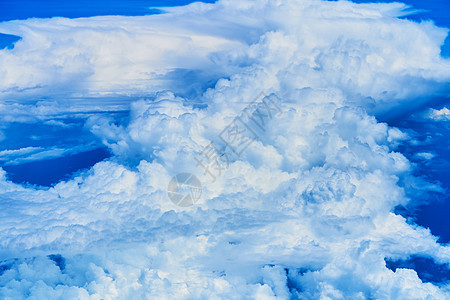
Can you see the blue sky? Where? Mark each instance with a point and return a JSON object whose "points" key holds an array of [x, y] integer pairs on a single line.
{"points": [[96, 116], [435, 139], [13, 10]]}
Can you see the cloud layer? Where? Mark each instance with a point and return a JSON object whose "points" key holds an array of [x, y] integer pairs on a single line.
{"points": [[306, 211]]}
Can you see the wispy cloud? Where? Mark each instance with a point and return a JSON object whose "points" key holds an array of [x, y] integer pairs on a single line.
{"points": [[30, 154]]}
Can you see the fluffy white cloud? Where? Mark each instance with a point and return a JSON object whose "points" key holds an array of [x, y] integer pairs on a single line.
{"points": [[439, 115], [304, 212], [361, 49]]}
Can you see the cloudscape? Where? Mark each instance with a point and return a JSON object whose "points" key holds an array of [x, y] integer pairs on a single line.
{"points": [[240, 149]]}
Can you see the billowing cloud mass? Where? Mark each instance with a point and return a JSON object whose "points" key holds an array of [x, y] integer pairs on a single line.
{"points": [[439, 114], [306, 211]]}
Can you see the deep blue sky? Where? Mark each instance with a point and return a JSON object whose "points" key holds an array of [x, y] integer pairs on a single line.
{"points": [[434, 138], [50, 171], [24, 9]]}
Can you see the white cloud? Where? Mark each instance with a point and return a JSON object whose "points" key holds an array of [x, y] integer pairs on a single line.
{"points": [[361, 49], [439, 115], [425, 155], [7, 153], [309, 202]]}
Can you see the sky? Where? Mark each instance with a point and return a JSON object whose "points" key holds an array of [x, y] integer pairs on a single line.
{"points": [[24, 9], [232, 149]]}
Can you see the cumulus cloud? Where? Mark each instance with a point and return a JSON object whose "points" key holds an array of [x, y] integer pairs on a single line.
{"points": [[439, 115], [362, 49], [306, 211]]}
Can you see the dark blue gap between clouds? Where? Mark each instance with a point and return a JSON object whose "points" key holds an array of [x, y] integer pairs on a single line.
{"points": [[7, 40], [62, 168], [432, 137], [427, 269], [86, 148]]}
